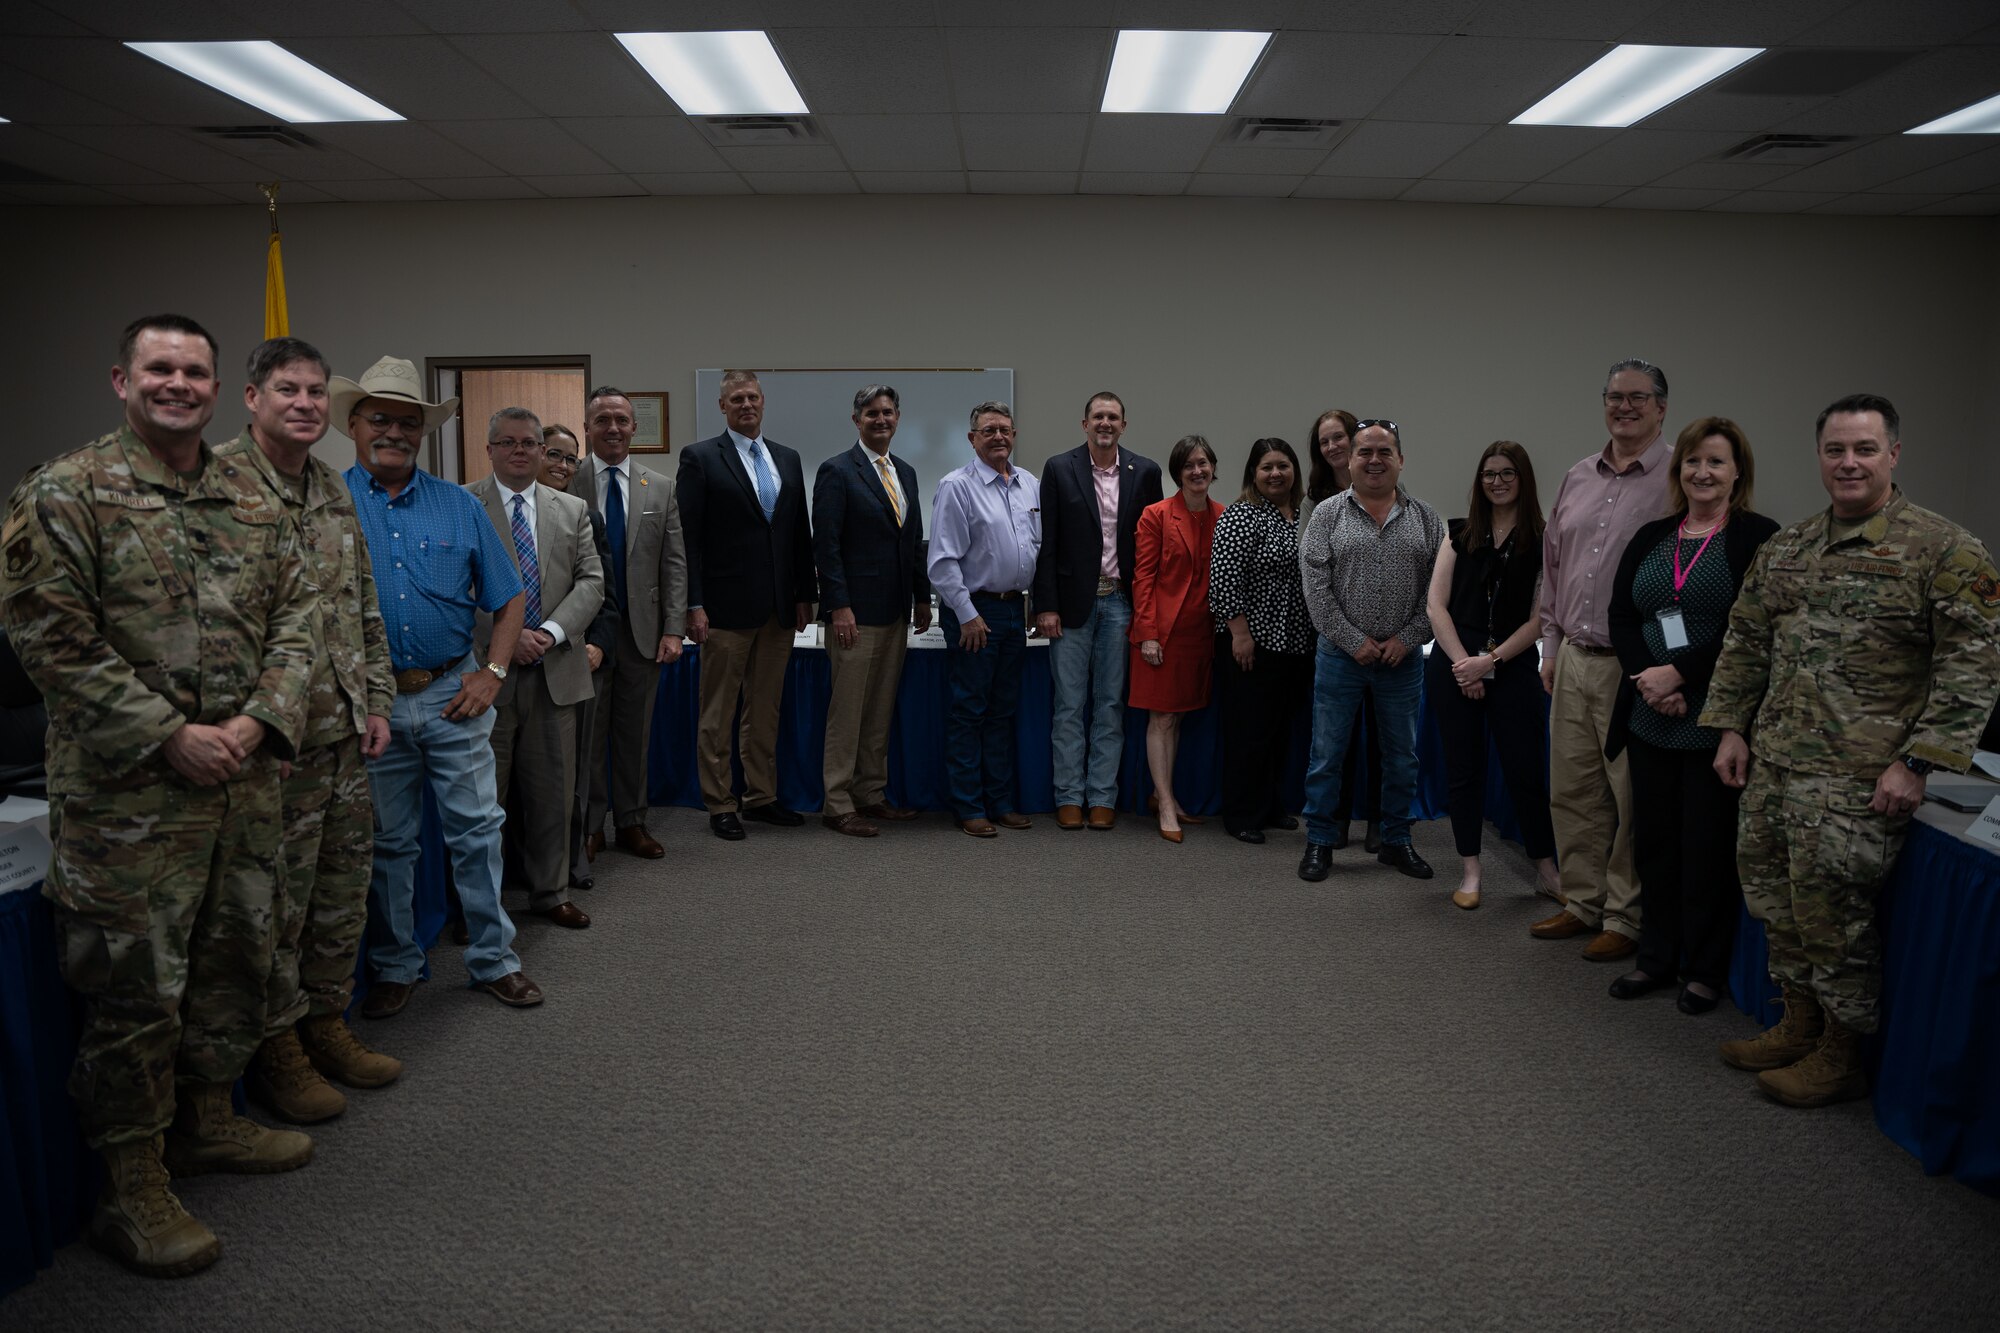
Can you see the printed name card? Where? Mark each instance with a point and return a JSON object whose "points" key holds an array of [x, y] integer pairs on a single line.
{"points": [[1986, 828]]}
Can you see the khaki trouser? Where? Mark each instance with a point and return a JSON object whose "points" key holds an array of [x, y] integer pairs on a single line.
{"points": [[752, 661], [534, 754], [865, 679], [1590, 797]]}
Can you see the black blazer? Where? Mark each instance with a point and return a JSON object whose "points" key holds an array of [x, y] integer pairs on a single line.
{"points": [[866, 561], [1073, 542], [1747, 531], [742, 570], [603, 630]]}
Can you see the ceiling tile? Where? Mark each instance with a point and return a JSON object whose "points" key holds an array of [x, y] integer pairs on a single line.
{"points": [[1335, 76], [283, 22], [675, 15], [1908, 24], [802, 182], [1603, 20], [1564, 196], [404, 149], [1350, 187], [172, 195], [1522, 152], [523, 147], [1150, 143], [1885, 205], [1024, 142], [1730, 22], [1253, 160], [694, 182], [139, 21], [1028, 69], [180, 153], [294, 193], [1021, 182], [106, 72], [1459, 192], [645, 143], [1881, 161], [847, 71], [911, 182], [803, 157], [1639, 157], [1773, 201], [1725, 176], [568, 74], [39, 150], [1133, 182], [27, 100], [1964, 205], [1244, 185], [1029, 14], [1742, 113], [31, 20], [424, 78], [373, 191], [611, 186], [1919, 90], [895, 143], [482, 187], [486, 16], [849, 13], [1241, 15], [1975, 171], [1435, 17], [1659, 198], [60, 192], [1487, 80], [1397, 148]]}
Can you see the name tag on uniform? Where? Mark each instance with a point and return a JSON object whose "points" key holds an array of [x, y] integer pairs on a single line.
{"points": [[1673, 628]]}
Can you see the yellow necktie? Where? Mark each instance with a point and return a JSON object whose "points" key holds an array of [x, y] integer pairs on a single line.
{"points": [[889, 485]]}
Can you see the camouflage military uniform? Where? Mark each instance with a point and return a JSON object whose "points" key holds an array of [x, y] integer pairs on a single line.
{"points": [[139, 602], [1843, 655], [329, 815]]}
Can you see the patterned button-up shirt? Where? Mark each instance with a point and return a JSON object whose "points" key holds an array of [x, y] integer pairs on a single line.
{"points": [[1253, 572], [1364, 581]]}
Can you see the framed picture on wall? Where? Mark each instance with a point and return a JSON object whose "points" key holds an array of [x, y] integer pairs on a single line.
{"points": [[649, 431]]}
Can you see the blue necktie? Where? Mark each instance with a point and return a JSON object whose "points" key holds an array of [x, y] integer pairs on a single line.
{"points": [[531, 569], [614, 534], [767, 481]]}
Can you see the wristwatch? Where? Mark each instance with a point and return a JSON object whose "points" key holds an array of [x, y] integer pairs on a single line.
{"points": [[499, 672], [1921, 767]]}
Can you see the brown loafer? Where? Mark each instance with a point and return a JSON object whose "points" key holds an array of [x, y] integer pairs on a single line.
{"points": [[633, 838], [1609, 946], [1069, 816], [978, 828], [853, 825], [592, 845], [386, 999], [1015, 819], [513, 989], [1102, 817], [568, 915], [1561, 926], [895, 814]]}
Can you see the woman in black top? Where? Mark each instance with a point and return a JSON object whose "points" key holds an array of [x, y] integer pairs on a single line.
{"points": [[1669, 606], [1332, 438], [1484, 672]]}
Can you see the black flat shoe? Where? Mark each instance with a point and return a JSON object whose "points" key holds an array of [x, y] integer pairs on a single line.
{"points": [[1404, 857], [1317, 861], [1339, 837], [1691, 1003], [1248, 835], [1631, 987], [1285, 822], [773, 813], [1372, 841]]}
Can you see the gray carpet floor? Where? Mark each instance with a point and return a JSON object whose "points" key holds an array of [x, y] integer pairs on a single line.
{"points": [[1061, 1080]]}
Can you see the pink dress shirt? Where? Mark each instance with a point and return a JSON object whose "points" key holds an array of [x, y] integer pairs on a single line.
{"points": [[1596, 512], [1106, 481]]}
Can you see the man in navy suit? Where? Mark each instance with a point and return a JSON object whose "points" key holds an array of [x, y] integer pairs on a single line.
{"points": [[750, 584], [867, 526], [1091, 498]]}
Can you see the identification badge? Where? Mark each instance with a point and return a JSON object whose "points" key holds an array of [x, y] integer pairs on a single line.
{"points": [[1673, 629]]}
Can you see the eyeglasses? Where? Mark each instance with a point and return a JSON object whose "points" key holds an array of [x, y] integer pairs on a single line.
{"points": [[995, 432], [561, 458], [1635, 399], [382, 421], [515, 446], [1505, 474]]}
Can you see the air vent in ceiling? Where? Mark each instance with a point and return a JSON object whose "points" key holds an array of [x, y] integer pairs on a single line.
{"points": [[261, 139], [759, 131], [1788, 150], [1281, 132]]}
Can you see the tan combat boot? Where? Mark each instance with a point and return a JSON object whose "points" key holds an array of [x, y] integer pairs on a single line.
{"points": [[1790, 1041], [140, 1223], [336, 1052], [280, 1080], [208, 1135], [1832, 1073]]}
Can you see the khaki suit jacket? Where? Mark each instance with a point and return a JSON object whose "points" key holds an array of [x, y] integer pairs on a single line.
{"points": [[572, 585], [656, 580]]}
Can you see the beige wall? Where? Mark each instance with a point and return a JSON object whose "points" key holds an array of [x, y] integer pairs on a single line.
{"points": [[1234, 318]]}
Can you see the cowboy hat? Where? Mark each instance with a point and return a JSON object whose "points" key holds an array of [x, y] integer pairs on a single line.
{"points": [[391, 379]]}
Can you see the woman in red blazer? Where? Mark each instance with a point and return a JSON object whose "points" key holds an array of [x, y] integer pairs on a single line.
{"points": [[1173, 632]]}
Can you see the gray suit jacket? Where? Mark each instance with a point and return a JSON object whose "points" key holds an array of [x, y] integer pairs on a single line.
{"points": [[655, 560], [572, 585]]}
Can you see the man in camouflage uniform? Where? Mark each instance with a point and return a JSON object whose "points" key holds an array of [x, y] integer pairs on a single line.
{"points": [[318, 918], [158, 596], [1860, 655]]}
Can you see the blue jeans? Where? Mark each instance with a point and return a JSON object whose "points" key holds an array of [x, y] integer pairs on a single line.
{"points": [[1338, 682], [1088, 664], [985, 689], [456, 759]]}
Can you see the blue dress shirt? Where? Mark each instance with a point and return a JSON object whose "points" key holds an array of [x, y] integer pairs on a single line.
{"points": [[437, 561], [986, 531]]}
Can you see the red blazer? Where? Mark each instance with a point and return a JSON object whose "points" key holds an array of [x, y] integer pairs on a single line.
{"points": [[1172, 571]]}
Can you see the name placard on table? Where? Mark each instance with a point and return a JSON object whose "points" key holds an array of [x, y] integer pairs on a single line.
{"points": [[24, 843]]}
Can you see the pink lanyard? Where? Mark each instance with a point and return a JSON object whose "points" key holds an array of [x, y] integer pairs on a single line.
{"points": [[1681, 575]]}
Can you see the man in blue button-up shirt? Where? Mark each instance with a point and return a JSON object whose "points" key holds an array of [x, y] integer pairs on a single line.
{"points": [[986, 530], [437, 561]]}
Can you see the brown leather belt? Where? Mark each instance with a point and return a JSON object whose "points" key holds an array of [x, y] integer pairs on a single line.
{"points": [[1000, 596], [1591, 649], [415, 680]]}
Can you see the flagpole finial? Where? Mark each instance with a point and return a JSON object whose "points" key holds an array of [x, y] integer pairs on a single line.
{"points": [[270, 191]]}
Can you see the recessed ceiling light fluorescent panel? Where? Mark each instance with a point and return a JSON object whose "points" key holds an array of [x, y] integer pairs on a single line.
{"points": [[268, 77], [1979, 118], [1630, 83], [717, 73], [1180, 73]]}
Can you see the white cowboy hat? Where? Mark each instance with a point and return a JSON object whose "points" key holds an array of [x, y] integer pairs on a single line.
{"points": [[392, 379]]}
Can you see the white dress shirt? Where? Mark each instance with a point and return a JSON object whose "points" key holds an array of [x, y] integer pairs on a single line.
{"points": [[528, 515]]}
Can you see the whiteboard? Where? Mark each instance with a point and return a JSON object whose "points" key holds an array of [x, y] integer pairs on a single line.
{"points": [[813, 412]]}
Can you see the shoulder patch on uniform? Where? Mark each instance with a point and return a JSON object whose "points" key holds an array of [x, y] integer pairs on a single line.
{"points": [[1986, 590], [22, 555]]}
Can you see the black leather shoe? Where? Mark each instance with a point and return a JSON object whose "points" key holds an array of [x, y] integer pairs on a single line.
{"points": [[1690, 1003], [773, 813], [1371, 842], [726, 826], [1339, 842], [1249, 835], [1317, 861], [1404, 857], [1285, 822], [1634, 984]]}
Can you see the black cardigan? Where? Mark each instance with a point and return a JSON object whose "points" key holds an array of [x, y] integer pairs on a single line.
{"points": [[1747, 530]]}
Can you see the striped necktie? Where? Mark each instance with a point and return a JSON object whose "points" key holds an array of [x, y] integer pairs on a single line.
{"points": [[889, 485], [531, 569]]}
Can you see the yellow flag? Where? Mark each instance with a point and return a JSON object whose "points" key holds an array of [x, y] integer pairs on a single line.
{"points": [[277, 321]]}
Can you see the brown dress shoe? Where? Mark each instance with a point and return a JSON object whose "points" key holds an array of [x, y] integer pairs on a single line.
{"points": [[513, 989], [1562, 926], [895, 814], [978, 828], [1015, 819], [633, 838], [1609, 946], [386, 999], [567, 915], [853, 825], [1102, 817], [1069, 816], [592, 845]]}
